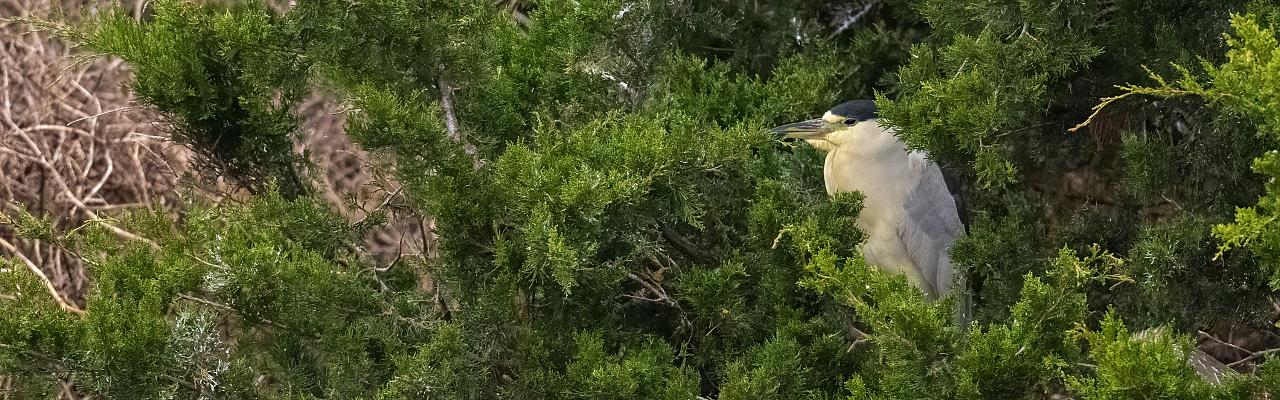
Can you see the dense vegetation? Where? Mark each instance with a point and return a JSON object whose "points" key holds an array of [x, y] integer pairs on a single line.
{"points": [[614, 221]]}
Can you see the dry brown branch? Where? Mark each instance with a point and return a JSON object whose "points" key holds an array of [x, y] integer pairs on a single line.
{"points": [[74, 146], [77, 148], [446, 102], [1253, 356], [358, 185], [53, 291], [225, 308], [1233, 346]]}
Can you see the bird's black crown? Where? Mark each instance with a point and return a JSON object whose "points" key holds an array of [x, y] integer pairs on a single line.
{"points": [[860, 109]]}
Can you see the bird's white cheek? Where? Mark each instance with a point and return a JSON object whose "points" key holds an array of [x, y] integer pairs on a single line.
{"points": [[821, 145]]}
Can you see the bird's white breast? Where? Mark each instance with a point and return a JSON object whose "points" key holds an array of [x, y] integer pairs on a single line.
{"points": [[876, 163]]}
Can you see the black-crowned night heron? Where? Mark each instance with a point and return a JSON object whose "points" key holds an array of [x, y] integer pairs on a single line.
{"points": [[909, 214]]}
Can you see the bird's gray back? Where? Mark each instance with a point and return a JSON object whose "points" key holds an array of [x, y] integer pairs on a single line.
{"points": [[930, 224]]}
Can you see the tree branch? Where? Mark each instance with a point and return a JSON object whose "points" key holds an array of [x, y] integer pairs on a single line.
{"points": [[685, 246], [48, 284], [451, 121], [225, 307]]}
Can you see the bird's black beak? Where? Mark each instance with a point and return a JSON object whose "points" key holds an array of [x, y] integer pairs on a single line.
{"points": [[811, 129]]}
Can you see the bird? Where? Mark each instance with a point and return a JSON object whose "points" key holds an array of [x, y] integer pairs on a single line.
{"points": [[910, 213]]}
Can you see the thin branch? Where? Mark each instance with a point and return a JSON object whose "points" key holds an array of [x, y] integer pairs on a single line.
{"points": [[181, 382], [1253, 356], [856, 343], [1097, 109], [451, 120], [386, 201], [48, 284], [80, 205], [1130, 90], [658, 291], [853, 19], [684, 245], [663, 298], [1220, 341], [521, 18], [125, 108], [225, 307]]}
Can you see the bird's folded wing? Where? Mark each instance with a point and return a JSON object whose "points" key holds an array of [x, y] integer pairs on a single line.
{"points": [[930, 224]]}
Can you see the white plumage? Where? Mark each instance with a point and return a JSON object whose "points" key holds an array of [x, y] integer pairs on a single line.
{"points": [[909, 215]]}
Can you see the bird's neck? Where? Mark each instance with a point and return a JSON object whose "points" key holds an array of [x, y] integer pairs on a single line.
{"points": [[876, 164], [870, 140]]}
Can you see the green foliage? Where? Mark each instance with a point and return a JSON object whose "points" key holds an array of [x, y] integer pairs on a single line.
{"points": [[614, 222], [995, 67], [204, 68], [775, 370], [1247, 83], [36, 332], [1270, 380], [1028, 354], [1167, 257], [236, 289], [999, 253], [1131, 367], [442, 368], [647, 371], [1149, 165]]}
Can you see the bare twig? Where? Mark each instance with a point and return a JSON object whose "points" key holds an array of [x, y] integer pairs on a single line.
{"points": [[1253, 356], [652, 288], [72, 145], [451, 121], [851, 19], [684, 245], [48, 284], [384, 204], [225, 307], [125, 108], [446, 102], [1215, 339]]}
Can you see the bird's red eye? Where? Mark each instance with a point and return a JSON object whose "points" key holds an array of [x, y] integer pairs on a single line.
{"points": [[850, 121]]}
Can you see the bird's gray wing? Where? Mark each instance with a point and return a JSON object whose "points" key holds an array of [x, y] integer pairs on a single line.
{"points": [[930, 224]]}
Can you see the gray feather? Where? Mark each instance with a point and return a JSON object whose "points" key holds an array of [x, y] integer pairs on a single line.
{"points": [[930, 225]]}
